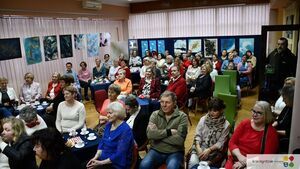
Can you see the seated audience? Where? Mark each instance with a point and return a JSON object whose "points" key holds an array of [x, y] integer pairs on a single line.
{"points": [[137, 120], [70, 113], [8, 99], [85, 78], [135, 62], [166, 131], [3, 158], [50, 147], [124, 83], [53, 87], [160, 62], [116, 146], [99, 71], [212, 72], [236, 58], [16, 145], [30, 90], [177, 84], [202, 87], [211, 135], [178, 63], [147, 63], [216, 63], [226, 62], [249, 136], [167, 66], [31, 120], [72, 73], [123, 65], [224, 55], [107, 63], [251, 58], [192, 72], [113, 70], [186, 60], [149, 85], [245, 71]]}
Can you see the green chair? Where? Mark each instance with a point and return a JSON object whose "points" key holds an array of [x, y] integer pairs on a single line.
{"points": [[222, 83], [233, 80]]}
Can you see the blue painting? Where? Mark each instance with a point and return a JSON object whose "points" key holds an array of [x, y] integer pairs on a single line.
{"points": [[161, 46], [195, 45], [246, 44], [33, 50], [78, 41], [92, 45], [180, 46], [152, 45], [10, 48], [228, 44], [144, 46], [65, 46], [50, 48]]}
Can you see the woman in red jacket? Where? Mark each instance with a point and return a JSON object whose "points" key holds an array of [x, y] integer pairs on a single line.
{"points": [[53, 87], [149, 85]]}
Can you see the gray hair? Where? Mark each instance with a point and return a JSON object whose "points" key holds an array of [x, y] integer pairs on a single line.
{"points": [[117, 108], [267, 112], [28, 113], [168, 93], [115, 88], [288, 92]]}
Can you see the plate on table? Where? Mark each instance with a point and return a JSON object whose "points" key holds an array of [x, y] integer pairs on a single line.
{"points": [[84, 133], [92, 138], [79, 146], [74, 134]]}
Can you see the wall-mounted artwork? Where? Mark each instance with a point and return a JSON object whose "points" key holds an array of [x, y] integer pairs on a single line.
{"points": [[50, 48], [104, 39], [179, 46], [152, 44], [92, 45], [144, 46], [246, 44], [228, 44], [10, 48], [161, 46], [33, 50], [195, 45], [65, 46], [78, 41], [133, 44], [210, 47]]}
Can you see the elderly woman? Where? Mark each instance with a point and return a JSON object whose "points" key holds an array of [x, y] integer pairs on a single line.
{"points": [[211, 136], [149, 85], [30, 90], [16, 145], [147, 63], [50, 148], [253, 136], [31, 119], [99, 71], [54, 87], [135, 62], [124, 83], [193, 71], [115, 147], [85, 78], [70, 113], [113, 70], [202, 89], [8, 98]]}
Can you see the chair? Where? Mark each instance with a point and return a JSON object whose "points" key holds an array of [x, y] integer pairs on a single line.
{"points": [[222, 83], [230, 110], [135, 156], [186, 111], [100, 96], [233, 80]]}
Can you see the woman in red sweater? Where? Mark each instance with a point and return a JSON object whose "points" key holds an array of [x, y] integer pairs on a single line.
{"points": [[248, 136], [149, 85], [53, 87]]}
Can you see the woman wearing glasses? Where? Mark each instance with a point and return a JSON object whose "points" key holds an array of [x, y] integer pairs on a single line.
{"points": [[248, 136]]}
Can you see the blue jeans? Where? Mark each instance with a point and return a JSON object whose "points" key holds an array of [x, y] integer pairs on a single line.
{"points": [[154, 159], [6, 111]]}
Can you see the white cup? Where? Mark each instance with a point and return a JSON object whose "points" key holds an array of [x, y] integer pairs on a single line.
{"points": [[27, 103], [91, 135], [83, 130], [80, 143], [203, 165]]}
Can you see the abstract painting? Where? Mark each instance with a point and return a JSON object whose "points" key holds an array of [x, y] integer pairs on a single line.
{"points": [[50, 48], [144, 46], [195, 45], [228, 44], [179, 46], [161, 46], [133, 44], [246, 44], [211, 47], [92, 45], [152, 44], [78, 41], [33, 50], [10, 48], [104, 39], [65, 46]]}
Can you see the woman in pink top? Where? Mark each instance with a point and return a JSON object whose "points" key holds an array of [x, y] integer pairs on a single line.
{"points": [[84, 76]]}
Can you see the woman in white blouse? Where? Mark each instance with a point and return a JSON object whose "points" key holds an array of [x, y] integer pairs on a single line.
{"points": [[8, 98], [30, 90], [193, 71], [70, 113]]}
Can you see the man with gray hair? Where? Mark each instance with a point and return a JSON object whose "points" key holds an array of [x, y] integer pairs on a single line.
{"points": [[31, 120], [166, 131]]}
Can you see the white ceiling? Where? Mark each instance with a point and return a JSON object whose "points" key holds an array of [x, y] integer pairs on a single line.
{"points": [[123, 2]]}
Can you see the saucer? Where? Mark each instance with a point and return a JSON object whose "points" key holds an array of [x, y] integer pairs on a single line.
{"points": [[92, 138], [86, 132], [39, 108], [79, 146], [75, 134], [45, 104]]}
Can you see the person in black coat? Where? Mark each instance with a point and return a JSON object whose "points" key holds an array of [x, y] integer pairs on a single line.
{"points": [[202, 88], [49, 146], [16, 145]]}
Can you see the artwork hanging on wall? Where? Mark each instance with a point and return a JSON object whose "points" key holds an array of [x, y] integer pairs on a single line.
{"points": [[161, 46], [65, 46], [133, 44], [92, 45], [246, 44], [104, 39], [152, 44], [195, 45], [228, 44], [50, 48], [78, 41], [144, 46], [211, 47], [179, 46], [33, 50], [10, 48]]}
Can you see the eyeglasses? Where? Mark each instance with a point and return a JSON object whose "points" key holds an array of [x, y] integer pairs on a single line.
{"points": [[256, 112]]}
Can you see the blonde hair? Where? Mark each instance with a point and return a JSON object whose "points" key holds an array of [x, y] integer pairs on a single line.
{"points": [[17, 126], [267, 112], [3, 79]]}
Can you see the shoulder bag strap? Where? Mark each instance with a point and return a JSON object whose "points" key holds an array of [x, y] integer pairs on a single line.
{"points": [[262, 147]]}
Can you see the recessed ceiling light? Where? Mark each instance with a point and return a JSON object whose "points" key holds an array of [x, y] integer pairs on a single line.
{"points": [[129, 0]]}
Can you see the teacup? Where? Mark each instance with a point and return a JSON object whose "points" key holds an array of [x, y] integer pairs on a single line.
{"points": [[44, 102], [83, 130], [203, 165], [80, 143], [91, 135]]}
